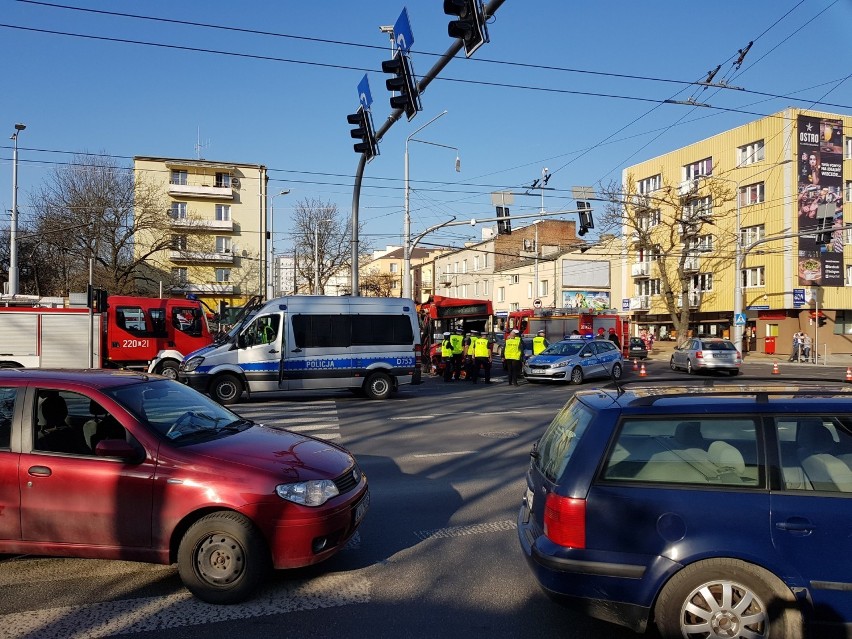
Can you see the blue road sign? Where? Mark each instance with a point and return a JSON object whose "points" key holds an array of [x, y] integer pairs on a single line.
{"points": [[798, 297], [402, 32], [625, 304], [364, 95], [740, 319]]}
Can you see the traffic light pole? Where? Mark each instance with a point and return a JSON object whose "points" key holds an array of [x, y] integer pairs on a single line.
{"points": [[425, 81]]}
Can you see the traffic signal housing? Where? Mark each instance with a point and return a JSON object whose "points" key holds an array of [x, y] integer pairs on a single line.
{"points": [[470, 26], [402, 83], [586, 222], [364, 132], [504, 225]]}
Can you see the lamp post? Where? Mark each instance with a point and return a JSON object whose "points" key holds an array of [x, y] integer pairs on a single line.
{"points": [[535, 247], [316, 256], [270, 280], [406, 226], [13, 231]]}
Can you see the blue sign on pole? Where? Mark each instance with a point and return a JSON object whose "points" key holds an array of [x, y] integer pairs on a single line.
{"points": [[402, 32], [364, 95], [740, 319], [798, 297], [625, 303]]}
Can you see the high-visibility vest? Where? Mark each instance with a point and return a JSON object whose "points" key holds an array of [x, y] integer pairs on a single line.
{"points": [[539, 344], [456, 340], [480, 348], [447, 348], [512, 350]]}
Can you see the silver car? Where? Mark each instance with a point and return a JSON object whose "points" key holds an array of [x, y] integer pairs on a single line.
{"points": [[707, 353], [575, 360]]}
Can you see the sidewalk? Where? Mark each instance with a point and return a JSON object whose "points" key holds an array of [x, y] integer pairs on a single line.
{"points": [[662, 351]]}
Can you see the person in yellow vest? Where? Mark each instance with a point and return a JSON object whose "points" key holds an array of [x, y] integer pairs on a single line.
{"points": [[539, 342], [447, 356], [467, 352], [512, 356], [457, 340], [481, 357]]}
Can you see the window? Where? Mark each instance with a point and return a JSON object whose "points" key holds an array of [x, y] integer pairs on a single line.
{"points": [[514, 306], [476, 289], [187, 320], [697, 208], [323, 331], [179, 242], [223, 244], [514, 279], [697, 169], [394, 268], [648, 219], [456, 267], [7, 409], [223, 275], [501, 293], [178, 211], [475, 262], [179, 274], [263, 330], [131, 318], [702, 282], [178, 177], [750, 153], [812, 452], [529, 290], [753, 277], [849, 190], [750, 234], [751, 194], [223, 212], [542, 288], [649, 254], [223, 180], [485, 288], [464, 266], [649, 185], [648, 287], [72, 424], [847, 149]]}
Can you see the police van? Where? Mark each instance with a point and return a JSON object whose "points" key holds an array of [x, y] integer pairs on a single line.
{"points": [[369, 345]]}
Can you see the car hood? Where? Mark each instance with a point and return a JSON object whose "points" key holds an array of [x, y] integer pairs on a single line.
{"points": [[551, 359], [289, 456]]}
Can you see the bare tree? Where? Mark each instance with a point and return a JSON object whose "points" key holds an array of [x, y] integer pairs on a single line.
{"points": [[675, 227], [375, 284]]}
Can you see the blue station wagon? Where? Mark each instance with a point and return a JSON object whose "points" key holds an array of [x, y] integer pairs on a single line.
{"points": [[720, 510]]}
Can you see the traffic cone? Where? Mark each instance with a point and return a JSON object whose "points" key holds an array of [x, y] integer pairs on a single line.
{"points": [[635, 364], [643, 372], [849, 374], [775, 370]]}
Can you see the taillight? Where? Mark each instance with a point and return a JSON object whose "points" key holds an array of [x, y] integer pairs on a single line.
{"points": [[418, 353], [565, 521], [699, 355]]}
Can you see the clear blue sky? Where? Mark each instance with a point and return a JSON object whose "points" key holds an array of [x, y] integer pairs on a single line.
{"points": [[267, 104]]}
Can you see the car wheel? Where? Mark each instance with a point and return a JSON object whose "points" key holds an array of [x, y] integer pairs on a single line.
{"points": [[222, 558], [672, 364], [226, 389], [168, 369], [616, 371], [689, 368], [577, 375], [727, 598], [378, 386]]}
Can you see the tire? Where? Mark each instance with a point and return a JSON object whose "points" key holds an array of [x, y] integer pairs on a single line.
{"points": [[616, 372], [168, 369], [577, 375], [689, 368], [672, 365], [683, 603], [226, 389], [222, 558], [378, 386]]}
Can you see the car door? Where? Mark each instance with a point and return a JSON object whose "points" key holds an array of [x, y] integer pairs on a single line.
{"points": [[71, 496], [591, 360], [259, 352], [10, 453]]}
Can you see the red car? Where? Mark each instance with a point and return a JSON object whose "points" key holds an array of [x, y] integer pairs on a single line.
{"points": [[119, 465]]}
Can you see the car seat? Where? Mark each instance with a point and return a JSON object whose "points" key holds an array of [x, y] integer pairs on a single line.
{"points": [[815, 447]]}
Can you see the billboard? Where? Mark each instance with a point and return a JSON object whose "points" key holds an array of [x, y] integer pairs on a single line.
{"points": [[820, 201], [597, 300]]}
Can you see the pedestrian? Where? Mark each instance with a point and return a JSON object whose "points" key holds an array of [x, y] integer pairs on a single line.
{"points": [[600, 334], [482, 358], [797, 344], [457, 340], [806, 346], [613, 337], [539, 342], [512, 357], [470, 357], [447, 356]]}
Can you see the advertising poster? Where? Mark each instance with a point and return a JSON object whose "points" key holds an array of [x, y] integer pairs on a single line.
{"points": [[597, 300], [820, 201]]}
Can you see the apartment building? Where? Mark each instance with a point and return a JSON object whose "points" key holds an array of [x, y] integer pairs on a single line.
{"points": [[218, 224], [771, 196]]}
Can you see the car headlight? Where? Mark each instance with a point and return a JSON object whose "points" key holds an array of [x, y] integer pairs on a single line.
{"points": [[192, 364], [560, 364], [308, 493]]}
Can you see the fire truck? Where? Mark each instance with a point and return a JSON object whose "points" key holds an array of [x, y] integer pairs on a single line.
{"points": [[559, 323], [439, 314], [141, 333]]}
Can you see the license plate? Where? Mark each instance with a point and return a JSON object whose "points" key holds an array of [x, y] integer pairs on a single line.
{"points": [[535, 371], [361, 509]]}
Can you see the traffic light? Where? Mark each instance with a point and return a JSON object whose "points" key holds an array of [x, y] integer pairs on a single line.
{"points": [[504, 226], [586, 222], [364, 131], [223, 311], [821, 320], [470, 26], [403, 83]]}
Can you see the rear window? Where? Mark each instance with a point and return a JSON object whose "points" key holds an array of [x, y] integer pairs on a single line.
{"points": [[561, 438], [717, 346]]}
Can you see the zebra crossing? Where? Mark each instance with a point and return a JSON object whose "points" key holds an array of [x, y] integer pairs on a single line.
{"points": [[315, 418]]}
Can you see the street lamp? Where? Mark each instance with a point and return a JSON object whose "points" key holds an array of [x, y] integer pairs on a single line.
{"points": [[270, 281], [535, 246], [13, 231], [406, 227], [316, 255]]}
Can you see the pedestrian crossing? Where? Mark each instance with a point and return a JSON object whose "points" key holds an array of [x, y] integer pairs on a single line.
{"points": [[315, 418]]}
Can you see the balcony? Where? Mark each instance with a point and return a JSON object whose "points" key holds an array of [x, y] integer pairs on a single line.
{"points": [[640, 269], [226, 226], [214, 288], [640, 303], [202, 191], [640, 201], [688, 188], [691, 264], [201, 256], [694, 300]]}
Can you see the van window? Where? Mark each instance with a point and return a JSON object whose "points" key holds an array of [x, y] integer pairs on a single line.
{"points": [[342, 331], [382, 330], [187, 320], [131, 318]]}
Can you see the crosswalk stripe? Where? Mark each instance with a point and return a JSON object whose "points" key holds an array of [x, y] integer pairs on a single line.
{"points": [[318, 419]]}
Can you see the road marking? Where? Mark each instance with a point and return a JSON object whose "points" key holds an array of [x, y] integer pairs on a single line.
{"points": [[152, 614], [317, 418], [407, 417], [448, 454], [462, 531]]}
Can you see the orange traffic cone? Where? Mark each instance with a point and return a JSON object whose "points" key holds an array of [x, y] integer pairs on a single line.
{"points": [[849, 374], [643, 372], [775, 370], [635, 365]]}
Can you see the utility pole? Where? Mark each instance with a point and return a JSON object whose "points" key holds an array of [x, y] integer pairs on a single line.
{"points": [[13, 232]]}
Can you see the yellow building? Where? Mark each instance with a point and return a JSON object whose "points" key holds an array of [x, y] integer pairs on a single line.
{"points": [[218, 228], [769, 194]]}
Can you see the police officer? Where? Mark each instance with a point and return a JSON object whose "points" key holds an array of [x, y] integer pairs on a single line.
{"points": [[469, 357], [457, 341], [447, 356], [482, 358], [512, 356], [539, 343]]}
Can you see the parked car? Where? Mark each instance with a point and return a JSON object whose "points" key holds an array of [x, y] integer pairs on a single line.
{"points": [[575, 360], [719, 510], [707, 353], [637, 349], [121, 465]]}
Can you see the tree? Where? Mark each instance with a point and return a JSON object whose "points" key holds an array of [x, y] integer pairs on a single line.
{"points": [[674, 227], [321, 230], [375, 284]]}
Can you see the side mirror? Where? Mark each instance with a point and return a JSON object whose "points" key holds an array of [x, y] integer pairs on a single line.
{"points": [[116, 448]]}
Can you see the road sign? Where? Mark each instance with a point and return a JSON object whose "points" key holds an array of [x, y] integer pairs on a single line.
{"points": [[402, 32], [798, 297], [537, 303], [740, 319], [625, 303], [364, 95]]}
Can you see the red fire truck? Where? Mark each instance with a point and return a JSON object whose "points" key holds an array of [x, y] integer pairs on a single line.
{"points": [[559, 323], [143, 333], [439, 314]]}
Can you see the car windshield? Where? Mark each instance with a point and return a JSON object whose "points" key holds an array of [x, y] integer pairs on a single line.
{"points": [[177, 412], [564, 349], [717, 346]]}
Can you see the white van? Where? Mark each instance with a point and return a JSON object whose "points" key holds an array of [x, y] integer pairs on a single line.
{"points": [[303, 342]]}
